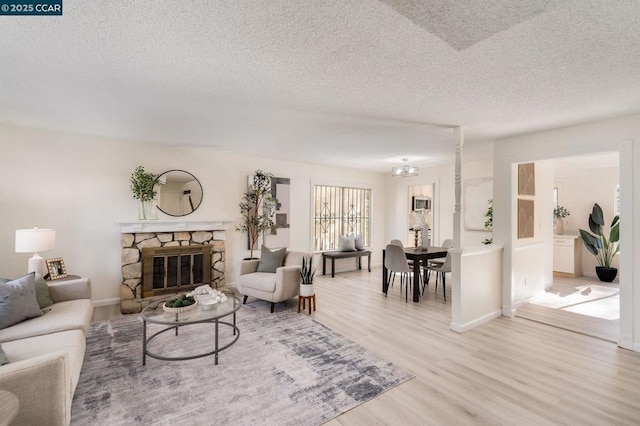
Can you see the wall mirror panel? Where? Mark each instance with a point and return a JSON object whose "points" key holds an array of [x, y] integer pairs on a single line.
{"points": [[179, 193]]}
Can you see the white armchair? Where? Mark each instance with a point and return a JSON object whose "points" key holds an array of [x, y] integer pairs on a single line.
{"points": [[272, 287]]}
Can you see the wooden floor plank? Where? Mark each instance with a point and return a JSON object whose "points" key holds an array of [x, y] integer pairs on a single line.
{"points": [[509, 371]]}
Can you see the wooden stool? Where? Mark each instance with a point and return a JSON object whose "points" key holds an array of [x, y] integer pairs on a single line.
{"points": [[303, 299]]}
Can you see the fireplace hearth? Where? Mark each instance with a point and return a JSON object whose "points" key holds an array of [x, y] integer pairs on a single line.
{"points": [[184, 256]]}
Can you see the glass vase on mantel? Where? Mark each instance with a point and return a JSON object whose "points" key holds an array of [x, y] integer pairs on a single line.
{"points": [[147, 210]]}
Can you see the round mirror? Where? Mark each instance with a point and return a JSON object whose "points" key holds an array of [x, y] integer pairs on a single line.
{"points": [[179, 193]]}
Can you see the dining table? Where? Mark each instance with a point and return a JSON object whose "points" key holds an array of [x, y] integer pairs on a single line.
{"points": [[420, 256]]}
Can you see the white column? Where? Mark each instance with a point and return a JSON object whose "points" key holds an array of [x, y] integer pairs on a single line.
{"points": [[456, 252]]}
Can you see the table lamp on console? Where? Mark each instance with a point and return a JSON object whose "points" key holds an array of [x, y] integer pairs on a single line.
{"points": [[35, 240]]}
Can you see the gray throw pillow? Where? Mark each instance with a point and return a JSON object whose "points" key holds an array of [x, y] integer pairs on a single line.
{"points": [[3, 357], [271, 260], [358, 242], [18, 300], [42, 292], [347, 243]]}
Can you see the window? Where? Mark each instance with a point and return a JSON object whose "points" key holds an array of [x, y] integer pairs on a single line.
{"points": [[340, 211]]}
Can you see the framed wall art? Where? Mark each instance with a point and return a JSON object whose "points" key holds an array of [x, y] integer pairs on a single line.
{"points": [[525, 218], [476, 195], [527, 179]]}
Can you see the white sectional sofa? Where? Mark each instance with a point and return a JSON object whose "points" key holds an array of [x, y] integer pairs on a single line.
{"points": [[45, 355]]}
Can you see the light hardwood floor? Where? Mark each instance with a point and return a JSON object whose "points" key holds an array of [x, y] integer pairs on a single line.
{"points": [[509, 371], [582, 304]]}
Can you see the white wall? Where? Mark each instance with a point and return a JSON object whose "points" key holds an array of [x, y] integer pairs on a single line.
{"points": [[79, 186], [613, 135]]}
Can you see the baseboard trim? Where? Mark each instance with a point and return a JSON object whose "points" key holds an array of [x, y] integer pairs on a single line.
{"points": [[106, 302], [461, 328]]}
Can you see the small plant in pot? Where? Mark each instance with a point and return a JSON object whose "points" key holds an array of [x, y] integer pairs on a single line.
{"points": [[603, 248], [307, 271]]}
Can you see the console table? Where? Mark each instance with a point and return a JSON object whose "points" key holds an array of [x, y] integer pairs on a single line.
{"points": [[333, 255]]}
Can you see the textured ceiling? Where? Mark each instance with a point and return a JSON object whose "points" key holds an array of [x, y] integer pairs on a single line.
{"points": [[349, 83]]}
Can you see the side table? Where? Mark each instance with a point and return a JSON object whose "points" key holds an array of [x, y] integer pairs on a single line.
{"points": [[302, 302], [9, 405]]}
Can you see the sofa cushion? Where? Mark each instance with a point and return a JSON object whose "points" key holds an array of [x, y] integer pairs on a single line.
{"points": [[3, 357], [263, 281], [271, 260], [72, 342], [18, 300], [62, 316], [42, 292]]}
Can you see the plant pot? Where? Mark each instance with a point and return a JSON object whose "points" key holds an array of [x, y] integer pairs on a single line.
{"points": [[306, 290], [606, 274], [558, 226]]}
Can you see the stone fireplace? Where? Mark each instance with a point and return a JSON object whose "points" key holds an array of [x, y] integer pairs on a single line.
{"points": [[177, 259]]}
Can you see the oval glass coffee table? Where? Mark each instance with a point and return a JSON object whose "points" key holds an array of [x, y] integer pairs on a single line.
{"points": [[154, 313]]}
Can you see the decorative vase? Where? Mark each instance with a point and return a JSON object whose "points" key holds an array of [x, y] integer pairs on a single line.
{"points": [[606, 274], [558, 226], [416, 239], [142, 210], [147, 210], [152, 209], [306, 290], [426, 237]]}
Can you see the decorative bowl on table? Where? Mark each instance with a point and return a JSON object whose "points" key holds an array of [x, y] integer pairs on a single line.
{"points": [[182, 303], [208, 304], [211, 299], [179, 310]]}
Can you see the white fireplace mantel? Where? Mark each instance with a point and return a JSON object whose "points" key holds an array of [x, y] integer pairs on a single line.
{"points": [[138, 226]]}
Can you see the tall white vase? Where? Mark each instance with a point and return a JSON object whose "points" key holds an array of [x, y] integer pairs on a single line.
{"points": [[558, 226]]}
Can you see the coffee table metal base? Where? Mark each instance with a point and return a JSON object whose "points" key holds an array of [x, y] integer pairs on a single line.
{"points": [[215, 351]]}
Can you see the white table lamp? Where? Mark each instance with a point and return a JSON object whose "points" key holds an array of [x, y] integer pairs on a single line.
{"points": [[33, 241]]}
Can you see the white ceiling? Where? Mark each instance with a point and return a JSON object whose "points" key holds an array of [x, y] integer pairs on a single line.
{"points": [[349, 83]]}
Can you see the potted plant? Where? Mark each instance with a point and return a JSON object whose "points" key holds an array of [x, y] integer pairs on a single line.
{"points": [[142, 187], [559, 213], [257, 208], [488, 223], [602, 248], [307, 271]]}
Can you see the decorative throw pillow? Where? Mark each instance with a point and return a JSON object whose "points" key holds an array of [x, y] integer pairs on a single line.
{"points": [[3, 357], [270, 260], [18, 300], [42, 292], [358, 242], [347, 243]]}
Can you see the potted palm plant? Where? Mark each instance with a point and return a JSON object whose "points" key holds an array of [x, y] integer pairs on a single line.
{"points": [[603, 248], [307, 271], [257, 208]]}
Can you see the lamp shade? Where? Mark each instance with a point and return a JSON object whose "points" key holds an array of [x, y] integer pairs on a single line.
{"points": [[35, 240]]}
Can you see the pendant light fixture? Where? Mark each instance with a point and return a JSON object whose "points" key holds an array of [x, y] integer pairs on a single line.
{"points": [[405, 170]]}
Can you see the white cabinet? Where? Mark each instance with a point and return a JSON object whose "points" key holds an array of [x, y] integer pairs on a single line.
{"points": [[567, 255]]}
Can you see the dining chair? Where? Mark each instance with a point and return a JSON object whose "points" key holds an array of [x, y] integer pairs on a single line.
{"points": [[396, 262], [409, 261], [448, 243], [440, 271]]}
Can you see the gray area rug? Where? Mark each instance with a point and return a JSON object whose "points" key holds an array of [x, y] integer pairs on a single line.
{"points": [[285, 369]]}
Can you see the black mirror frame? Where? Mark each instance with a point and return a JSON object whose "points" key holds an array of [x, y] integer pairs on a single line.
{"points": [[195, 178]]}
